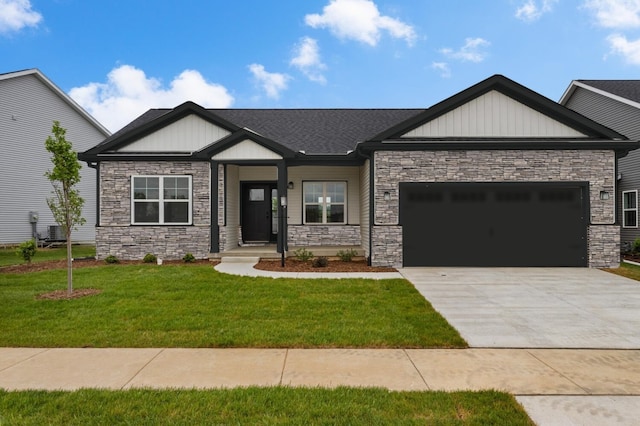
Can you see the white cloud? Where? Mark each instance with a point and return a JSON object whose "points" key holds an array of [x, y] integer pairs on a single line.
{"points": [[617, 14], [630, 50], [532, 10], [128, 93], [470, 52], [443, 68], [271, 82], [359, 20], [307, 60], [17, 14]]}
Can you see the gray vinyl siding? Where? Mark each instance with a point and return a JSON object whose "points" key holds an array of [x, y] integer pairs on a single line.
{"points": [[28, 108], [624, 119]]}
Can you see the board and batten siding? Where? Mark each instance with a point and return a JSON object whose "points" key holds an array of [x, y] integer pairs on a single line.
{"points": [[624, 119], [189, 134], [299, 174], [28, 108], [493, 115]]}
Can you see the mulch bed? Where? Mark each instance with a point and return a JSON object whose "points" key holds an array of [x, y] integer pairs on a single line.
{"points": [[292, 265]]}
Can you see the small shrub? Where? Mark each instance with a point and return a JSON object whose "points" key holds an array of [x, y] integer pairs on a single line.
{"points": [[303, 255], [320, 262], [27, 250], [636, 246], [111, 259], [189, 258], [149, 258], [347, 255]]}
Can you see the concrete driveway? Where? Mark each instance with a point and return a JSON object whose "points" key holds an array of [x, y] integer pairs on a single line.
{"points": [[534, 307]]}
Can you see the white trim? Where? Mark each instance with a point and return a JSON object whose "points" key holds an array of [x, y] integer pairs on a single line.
{"points": [[628, 209], [574, 84], [160, 200]]}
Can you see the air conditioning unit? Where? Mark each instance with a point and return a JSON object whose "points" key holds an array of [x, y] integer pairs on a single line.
{"points": [[56, 233]]}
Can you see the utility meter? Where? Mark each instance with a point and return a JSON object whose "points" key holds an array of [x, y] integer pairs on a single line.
{"points": [[33, 217]]}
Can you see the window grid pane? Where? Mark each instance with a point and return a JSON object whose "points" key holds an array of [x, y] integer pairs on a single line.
{"points": [[324, 202], [173, 192]]}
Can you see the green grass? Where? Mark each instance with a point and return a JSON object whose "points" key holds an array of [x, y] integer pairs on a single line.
{"points": [[627, 270], [145, 305], [262, 406], [8, 255]]}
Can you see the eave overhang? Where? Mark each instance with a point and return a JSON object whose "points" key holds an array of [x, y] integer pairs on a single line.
{"points": [[621, 147]]}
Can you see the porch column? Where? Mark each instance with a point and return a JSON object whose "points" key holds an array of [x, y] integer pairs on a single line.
{"points": [[215, 228], [282, 210]]}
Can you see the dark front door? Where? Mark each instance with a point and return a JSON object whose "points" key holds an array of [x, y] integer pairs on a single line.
{"points": [[258, 216], [494, 224]]}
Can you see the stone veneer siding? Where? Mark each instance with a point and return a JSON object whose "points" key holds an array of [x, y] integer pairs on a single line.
{"points": [[116, 236], [604, 246], [392, 167], [324, 235]]}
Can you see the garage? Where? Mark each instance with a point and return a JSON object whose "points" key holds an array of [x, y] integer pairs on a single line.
{"points": [[494, 224]]}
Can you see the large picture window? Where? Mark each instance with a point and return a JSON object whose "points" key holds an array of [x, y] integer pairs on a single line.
{"points": [[630, 209], [161, 200], [324, 202]]}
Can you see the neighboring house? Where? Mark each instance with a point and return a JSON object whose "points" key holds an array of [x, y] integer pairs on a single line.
{"points": [[496, 175], [29, 103], [615, 104]]}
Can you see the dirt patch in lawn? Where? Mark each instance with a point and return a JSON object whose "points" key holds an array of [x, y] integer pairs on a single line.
{"points": [[333, 266], [64, 294]]}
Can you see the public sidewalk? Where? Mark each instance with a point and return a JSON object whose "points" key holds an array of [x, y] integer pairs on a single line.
{"points": [[517, 371]]}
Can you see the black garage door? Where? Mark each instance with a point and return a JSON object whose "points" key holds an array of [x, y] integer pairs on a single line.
{"points": [[494, 224]]}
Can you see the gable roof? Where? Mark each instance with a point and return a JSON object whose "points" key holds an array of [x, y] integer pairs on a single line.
{"points": [[625, 91], [62, 95], [513, 90], [310, 131]]}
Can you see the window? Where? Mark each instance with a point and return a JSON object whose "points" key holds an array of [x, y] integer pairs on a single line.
{"points": [[160, 200], [630, 209], [324, 202]]}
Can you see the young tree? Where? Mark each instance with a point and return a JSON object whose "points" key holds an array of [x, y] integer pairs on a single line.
{"points": [[66, 205]]}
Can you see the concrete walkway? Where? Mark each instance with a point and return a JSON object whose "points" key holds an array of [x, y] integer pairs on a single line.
{"points": [[244, 266]]}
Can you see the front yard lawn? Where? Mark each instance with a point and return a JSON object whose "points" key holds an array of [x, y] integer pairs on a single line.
{"points": [[145, 305], [280, 405]]}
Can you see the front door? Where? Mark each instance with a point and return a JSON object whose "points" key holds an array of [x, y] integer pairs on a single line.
{"points": [[259, 219]]}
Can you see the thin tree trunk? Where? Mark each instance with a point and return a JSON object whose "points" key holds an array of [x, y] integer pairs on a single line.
{"points": [[69, 260]]}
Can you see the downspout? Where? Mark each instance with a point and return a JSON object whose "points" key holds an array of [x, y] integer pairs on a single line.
{"points": [[96, 167]]}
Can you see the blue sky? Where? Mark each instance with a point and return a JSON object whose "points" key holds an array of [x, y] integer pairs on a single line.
{"points": [[119, 58]]}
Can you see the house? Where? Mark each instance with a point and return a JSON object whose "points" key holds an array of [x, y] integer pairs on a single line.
{"points": [[496, 175], [29, 103], [616, 104]]}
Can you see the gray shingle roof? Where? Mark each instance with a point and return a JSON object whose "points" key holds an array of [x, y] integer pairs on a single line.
{"points": [[315, 131], [628, 89]]}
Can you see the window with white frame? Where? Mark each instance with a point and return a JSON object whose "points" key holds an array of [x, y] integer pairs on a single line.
{"points": [[161, 200], [324, 202], [630, 209]]}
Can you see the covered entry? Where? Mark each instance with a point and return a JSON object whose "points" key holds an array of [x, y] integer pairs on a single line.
{"points": [[494, 224]]}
